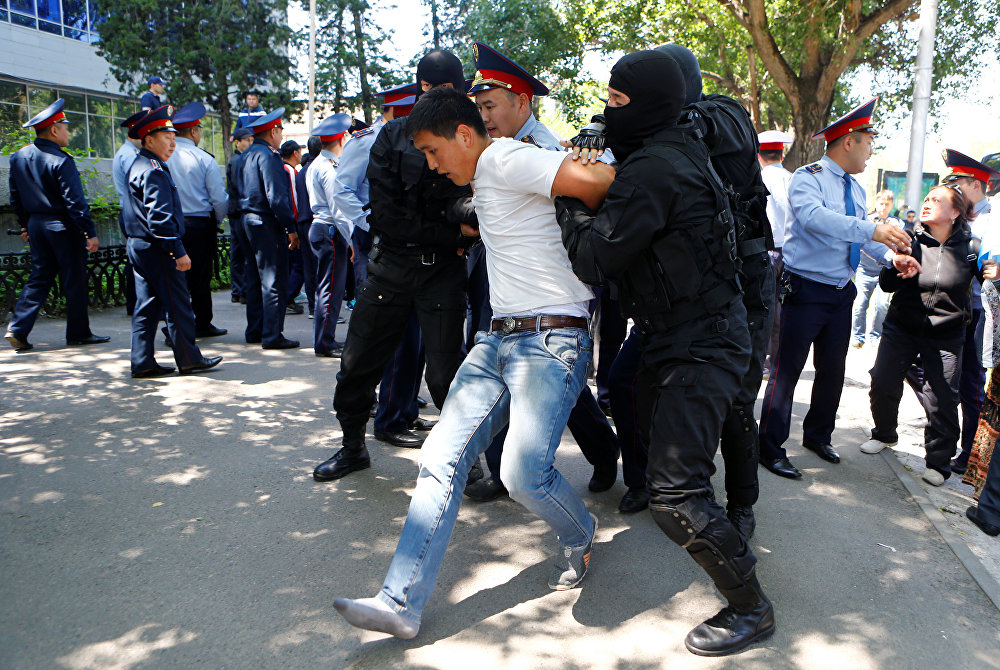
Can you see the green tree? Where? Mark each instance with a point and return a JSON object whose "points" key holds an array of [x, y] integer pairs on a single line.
{"points": [[351, 57], [208, 51], [791, 62]]}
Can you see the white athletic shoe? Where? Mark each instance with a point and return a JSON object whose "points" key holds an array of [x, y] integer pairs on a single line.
{"points": [[933, 477], [874, 446]]}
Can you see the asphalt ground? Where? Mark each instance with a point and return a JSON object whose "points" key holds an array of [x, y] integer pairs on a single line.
{"points": [[174, 523]]}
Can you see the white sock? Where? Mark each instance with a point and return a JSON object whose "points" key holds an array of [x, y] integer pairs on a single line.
{"points": [[373, 614]]}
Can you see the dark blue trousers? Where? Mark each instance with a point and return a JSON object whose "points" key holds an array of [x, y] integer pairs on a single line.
{"points": [[266, 279], [296, 273], [54, 251], [362, 245], [812, 315], [160, 290], [613, 329], [309, 268], [330, 251], [397, 392], [989, 499], [237, 256], [971, 387], [199, 242], [623, 394]]}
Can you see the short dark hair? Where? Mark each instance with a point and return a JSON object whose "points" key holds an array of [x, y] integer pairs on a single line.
{"points": [[314, 144], [441, 111], [771, 154]]}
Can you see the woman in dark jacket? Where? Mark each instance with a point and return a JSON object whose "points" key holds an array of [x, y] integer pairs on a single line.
{"points": [[931, 305]]}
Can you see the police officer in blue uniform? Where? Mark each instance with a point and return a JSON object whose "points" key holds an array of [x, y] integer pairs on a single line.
{"points": [[503, 91], [329, 235], [242, 139], [204, 203], [422, 221], [822, 249], [48, 199], [119, 171], [154, 224], [151, 99], [251, 112], [262, 186], [397, 407]]}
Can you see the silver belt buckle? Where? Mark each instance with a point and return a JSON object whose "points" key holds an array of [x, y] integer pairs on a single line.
{"points": [[507, 325], [428, 259]]}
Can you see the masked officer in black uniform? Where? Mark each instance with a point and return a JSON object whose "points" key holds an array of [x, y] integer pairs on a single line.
{"points": [[666, 239], [265, 203], [48, 199], [154, 223], [417, 217]]}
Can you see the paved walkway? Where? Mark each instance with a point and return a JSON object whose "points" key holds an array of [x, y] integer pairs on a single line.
{"points": [[173, 523]]}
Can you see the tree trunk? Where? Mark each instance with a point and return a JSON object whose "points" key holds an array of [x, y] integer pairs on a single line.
{"points": [[754, 93], [811, 116], [366, 92], [226, 119], [338, 86], [435, 24]]}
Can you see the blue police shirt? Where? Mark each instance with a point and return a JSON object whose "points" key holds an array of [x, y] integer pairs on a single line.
{"points": [[198, 180], [818, 239], [350, 191], [248, 116], [153, 210], [44, 182], [150, 100], [322, 175], [119, 169], [262, 185]]}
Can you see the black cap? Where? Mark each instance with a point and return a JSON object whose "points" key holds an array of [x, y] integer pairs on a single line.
{"points": [[241, 133], [290, 147]]}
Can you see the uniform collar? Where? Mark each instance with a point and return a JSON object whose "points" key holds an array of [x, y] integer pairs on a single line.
{"points": [[981, 206], [43, 142], [264, 143], [153, 157], [528, 127], [333, 158], [832, 166], [185, 140]]}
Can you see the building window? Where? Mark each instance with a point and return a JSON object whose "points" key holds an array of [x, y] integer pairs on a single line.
{"points": [[94, 118], [75, 19]]}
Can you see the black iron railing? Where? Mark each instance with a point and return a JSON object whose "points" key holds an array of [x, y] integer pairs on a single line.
{"points": [[106, 278]]}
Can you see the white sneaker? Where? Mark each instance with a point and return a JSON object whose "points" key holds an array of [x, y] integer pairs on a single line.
{"points": [[933, 477], [874, 446]]}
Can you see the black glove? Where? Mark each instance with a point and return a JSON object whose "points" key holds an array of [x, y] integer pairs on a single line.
{"points": [[592, 135]]}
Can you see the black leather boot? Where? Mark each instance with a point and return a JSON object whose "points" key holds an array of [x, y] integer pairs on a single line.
{"points": [[742, 518], [748, 618]]}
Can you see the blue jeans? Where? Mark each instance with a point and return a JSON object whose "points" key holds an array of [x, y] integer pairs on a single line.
{"points": [[530, 380], [867, 290]]}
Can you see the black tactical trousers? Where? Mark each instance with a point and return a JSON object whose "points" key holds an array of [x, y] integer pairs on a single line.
{"points": [[740, 447], [401, 281], [199, 242], [696, 369]]}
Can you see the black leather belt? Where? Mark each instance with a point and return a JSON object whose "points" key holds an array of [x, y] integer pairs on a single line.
{"points": [[510, 324]]}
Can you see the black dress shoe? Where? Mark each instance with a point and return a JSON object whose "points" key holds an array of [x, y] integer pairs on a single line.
{"points": [[210, 331], [403, 438], [373, 411], [91, 339], [206, 363], [294, 308], [253, 340], [824, 451], [634, 500], [604, 477], [234, 299], [421, 403], [731, 630], [475, 473], [782, 467], [972, 513], [485, 490], [742, 518], [333, 353], [19, 343], [420, 423], [283, 343], [157, 371], [344, 462], [959, 466]]}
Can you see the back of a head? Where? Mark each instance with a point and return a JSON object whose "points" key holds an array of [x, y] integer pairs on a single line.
{"points": [[440, 67], [441, 110], [690, 68], [314, 144]]}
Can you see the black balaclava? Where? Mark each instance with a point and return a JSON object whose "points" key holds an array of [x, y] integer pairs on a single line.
{"points": [[690, 68], [654, 83], [440, 67]]}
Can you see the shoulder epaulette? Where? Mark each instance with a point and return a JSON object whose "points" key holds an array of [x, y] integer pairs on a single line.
{"points": [[156, 164], [364, 131], [528, 139], [208, 152], [815, 168]]}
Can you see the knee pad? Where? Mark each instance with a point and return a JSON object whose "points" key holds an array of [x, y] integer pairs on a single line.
{"points": [[682, 522]]}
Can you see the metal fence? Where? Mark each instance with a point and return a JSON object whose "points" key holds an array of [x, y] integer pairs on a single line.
{"points": [[106, 278]]}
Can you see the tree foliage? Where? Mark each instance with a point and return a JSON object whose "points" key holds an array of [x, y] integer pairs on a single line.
{"points": [[791, 62], [210, 51]]}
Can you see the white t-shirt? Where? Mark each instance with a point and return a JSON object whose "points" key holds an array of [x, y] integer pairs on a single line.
{"points": [[527, 264], [776, 178]]}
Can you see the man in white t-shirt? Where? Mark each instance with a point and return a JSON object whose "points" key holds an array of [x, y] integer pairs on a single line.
{"points": [[527, 371]]}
